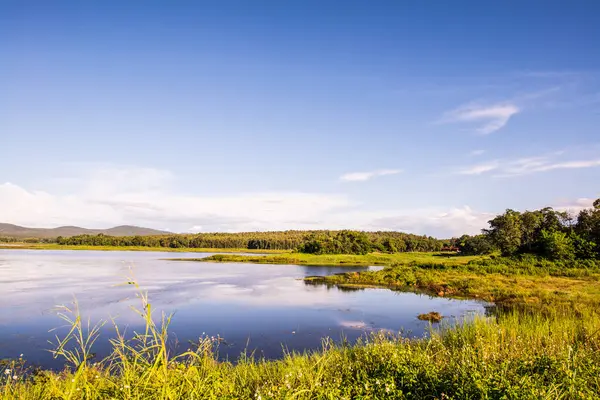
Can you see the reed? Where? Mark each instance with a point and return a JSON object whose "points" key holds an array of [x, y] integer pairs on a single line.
{"points": [[512, 355]]}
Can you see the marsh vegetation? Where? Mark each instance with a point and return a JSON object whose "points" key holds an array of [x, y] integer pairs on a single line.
{"points": [[514, 355], [540, 268]]}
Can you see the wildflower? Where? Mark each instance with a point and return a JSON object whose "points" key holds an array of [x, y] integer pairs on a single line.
{"points": [[73, 380], [377, 381], [7, 371], [21, 355], [15, 377], [126, 386]]}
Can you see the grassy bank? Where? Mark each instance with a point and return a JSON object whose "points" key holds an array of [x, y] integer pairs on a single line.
{"points": [[341, 259], [53, 246], [551, 351], [530, 281], [516, 356]]}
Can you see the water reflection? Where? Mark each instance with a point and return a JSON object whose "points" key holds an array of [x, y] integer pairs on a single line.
{"points": [[254, 307]]}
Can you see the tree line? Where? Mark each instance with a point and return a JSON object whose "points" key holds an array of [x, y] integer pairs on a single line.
{"points": [[10, 239], [548, 233], [357, 242], [316, 242]]}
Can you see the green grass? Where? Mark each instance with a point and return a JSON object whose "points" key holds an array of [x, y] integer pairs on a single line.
{"points": [[53, 246], [340, 259], [530, 356], [527, 282], [549, 349]]}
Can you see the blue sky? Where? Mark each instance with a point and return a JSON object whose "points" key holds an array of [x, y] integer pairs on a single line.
{"points": [[426, 117]]}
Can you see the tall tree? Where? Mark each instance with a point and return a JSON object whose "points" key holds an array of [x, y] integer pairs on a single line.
{"points": [[505, 231]]}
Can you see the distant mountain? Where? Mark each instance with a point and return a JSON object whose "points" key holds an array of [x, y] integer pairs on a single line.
{"points": [[10, 230]]}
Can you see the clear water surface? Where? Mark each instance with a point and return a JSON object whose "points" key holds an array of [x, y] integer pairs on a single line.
{"points": [[254, 307]]}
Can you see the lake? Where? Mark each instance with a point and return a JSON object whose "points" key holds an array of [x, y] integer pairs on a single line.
{"points": [[255, 307]]}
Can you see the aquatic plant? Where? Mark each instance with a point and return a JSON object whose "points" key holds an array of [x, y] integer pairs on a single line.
{"points": [[514, 355], [432, 316]]}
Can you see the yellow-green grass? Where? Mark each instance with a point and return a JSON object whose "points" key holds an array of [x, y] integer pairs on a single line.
{"points": [[514, 356], [53, 246], [551, 351], [505, 284], [341, 259]]}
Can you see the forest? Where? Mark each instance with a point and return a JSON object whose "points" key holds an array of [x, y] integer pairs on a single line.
{"points": [[547, 233], [316, 242], [556, 235]]}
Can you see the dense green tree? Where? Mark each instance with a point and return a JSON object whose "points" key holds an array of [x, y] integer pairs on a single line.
{"points": [[588, 225], [328, 242], [506, 231], [531, 225], [548, 233], [544, 232], [556, 245], [352, 242], [584, 249], [472, 245]]}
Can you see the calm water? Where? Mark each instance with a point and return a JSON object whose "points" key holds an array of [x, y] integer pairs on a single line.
{"points": [[255, 307]]}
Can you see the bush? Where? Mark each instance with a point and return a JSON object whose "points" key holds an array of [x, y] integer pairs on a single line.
{"points": [[556, 245], [475, 245], [343, 242]]}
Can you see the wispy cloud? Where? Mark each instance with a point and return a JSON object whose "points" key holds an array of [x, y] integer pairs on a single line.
{"points": [[567, 165], [525, 166], [575, 206], [493, 117], [365, 176], [479, 169], [476, 152]]}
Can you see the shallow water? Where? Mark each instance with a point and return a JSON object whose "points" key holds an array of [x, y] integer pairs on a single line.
{"points": [[257, 307]]}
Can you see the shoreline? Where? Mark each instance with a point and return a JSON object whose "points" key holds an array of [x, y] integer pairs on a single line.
{"points": [[339, 260], [546, 337], [51, 246]]}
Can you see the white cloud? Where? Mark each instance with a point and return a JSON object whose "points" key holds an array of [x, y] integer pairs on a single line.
{"points": [[445, 223], [145, 197], [493, 116], [532, 165], [140, 196], [567, 165], [107, 197], [365, 176], [477, 152], [576, 205], [479, 169], [529, 165]]}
